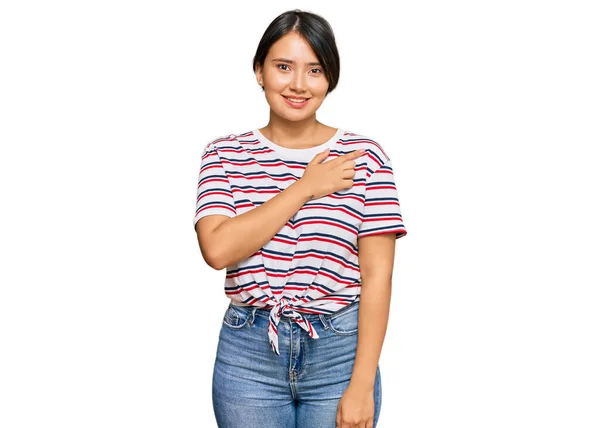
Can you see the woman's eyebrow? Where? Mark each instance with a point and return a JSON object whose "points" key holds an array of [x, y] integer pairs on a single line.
{"points": [[289, 61]]}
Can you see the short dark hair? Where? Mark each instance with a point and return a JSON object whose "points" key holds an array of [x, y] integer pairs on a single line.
{"points": [[315, 30]]}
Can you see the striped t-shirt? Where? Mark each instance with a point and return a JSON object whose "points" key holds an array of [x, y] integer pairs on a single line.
{"points": [[311, 265]]}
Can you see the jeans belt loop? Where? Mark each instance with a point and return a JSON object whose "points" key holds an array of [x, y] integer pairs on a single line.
{"points": [[251, 320], [322, 318]]}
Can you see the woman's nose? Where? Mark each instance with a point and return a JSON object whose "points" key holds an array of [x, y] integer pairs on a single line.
{"points": [[298, 82]]}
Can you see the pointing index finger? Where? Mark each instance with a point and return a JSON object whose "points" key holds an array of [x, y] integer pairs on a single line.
{"points": [[351, 155]]}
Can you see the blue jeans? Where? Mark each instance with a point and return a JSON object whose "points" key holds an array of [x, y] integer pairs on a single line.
{"points": [[253, 387]]}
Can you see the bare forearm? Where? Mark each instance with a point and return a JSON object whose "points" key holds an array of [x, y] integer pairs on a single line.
{"points": [[239, 237], [373, 315]]}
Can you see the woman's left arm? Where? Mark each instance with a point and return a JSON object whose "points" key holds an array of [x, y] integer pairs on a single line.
{"points": [[376, 263]]}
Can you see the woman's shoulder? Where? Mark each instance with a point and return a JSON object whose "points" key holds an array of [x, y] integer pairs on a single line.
{"points": [[377, 155], [222, 141]]}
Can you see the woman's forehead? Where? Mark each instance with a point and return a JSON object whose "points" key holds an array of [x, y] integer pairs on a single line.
{"points": [[294, 48]]}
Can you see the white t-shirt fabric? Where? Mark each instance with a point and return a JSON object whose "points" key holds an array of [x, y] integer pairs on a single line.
{"points": [[311, 265]]}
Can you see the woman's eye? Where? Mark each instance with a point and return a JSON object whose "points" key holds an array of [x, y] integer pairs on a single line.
{"points": [[317, 70]]}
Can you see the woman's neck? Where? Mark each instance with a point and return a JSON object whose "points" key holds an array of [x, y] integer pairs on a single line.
{"points": [[298, 136]]}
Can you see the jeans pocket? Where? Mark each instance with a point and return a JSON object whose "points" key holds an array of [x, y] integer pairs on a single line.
{"points": [[235, 317], [345, 321]]}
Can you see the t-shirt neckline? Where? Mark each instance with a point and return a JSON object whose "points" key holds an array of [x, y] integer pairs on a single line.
{"points": [[304, 154]]}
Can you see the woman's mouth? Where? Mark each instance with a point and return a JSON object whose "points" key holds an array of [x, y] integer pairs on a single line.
{"points": [[296, 102]]}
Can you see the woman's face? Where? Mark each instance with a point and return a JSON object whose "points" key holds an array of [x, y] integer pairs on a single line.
{"points": [[291, 70]]}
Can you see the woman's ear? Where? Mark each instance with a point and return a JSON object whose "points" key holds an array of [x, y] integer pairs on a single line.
{"points": [[259, 74]]}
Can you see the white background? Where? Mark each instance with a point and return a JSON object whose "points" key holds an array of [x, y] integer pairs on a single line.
{"points": [[109, 316]]}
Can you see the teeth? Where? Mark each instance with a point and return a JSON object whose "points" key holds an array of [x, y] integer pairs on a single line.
{"points": [[296, 100]]}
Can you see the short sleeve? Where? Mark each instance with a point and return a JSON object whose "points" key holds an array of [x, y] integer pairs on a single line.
{"points": [[382, 208], [214, 195]]}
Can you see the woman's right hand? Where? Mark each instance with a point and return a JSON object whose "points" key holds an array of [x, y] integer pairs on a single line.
{"points": [[324, 178]]}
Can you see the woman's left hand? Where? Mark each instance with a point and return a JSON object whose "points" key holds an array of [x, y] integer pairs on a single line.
{"points": [[356, 408]]}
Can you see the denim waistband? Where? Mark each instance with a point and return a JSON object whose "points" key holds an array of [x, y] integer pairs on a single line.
{"points": [[275, 314]]}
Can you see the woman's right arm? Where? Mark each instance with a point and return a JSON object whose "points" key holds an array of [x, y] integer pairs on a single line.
{"points": [[227, 240]]}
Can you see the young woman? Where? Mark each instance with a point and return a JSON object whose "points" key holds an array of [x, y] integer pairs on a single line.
{"points": [[304, 217]]}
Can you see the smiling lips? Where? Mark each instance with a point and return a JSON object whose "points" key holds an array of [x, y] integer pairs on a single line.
{"points": [[296, 102]]}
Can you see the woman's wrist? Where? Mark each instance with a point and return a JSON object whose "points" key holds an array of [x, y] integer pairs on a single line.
{"points": [[302, 189]]}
